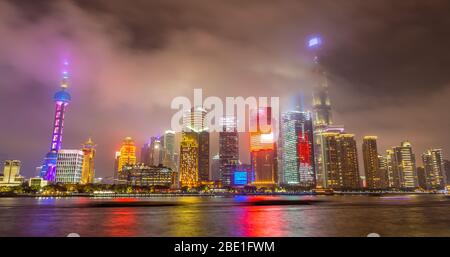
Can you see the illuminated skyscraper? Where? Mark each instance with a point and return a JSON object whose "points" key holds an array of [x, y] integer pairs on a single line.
{"points": [[215, 168], [375, 178], [152, 153], [116, 166], [70, 166], [228, 149], [156, 151], [194, 128], [341, 160], [127, 154], [404, 164], [145, 154], [447, 170], [62, 99], [169, 150], [422, 178], [263, 147], [322, 112], [297, 154], [434, 169], [88, 173], [203, 156], [392, 170], [189, 160]]}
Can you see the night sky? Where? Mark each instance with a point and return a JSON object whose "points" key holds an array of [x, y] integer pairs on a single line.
{"points": [[388, 63]]}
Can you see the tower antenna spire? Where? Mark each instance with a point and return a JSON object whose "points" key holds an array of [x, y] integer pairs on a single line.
{"points": [[65, 75]]}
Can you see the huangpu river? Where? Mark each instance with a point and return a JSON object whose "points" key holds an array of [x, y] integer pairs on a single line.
{"points": [[338, 215]]}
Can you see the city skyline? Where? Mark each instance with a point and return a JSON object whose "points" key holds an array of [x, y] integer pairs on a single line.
{"points": [[98, 111]]}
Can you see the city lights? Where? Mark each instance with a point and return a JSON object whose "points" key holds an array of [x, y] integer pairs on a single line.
{"points": [[212, 119]]}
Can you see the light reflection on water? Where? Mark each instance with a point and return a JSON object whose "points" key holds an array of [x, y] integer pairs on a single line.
{"points": [[408, 215]]}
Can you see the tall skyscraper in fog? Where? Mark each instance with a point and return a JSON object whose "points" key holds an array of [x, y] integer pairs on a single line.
{"points": [[433, 163], [263, 152], [228, 149], [297, 149], [62, 99], [322, 115]]}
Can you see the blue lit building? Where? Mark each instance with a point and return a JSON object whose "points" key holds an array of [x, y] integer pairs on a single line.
{"points": [[242, 175]]}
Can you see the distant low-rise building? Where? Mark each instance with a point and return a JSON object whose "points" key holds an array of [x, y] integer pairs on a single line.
{"points": [[37, 182], [143, 175]]}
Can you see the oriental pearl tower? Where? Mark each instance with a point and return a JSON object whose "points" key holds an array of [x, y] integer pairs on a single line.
{"points": [[61, 99]]}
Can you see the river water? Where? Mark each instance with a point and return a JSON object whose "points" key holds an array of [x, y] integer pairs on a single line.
{"points": [[392, 215]]}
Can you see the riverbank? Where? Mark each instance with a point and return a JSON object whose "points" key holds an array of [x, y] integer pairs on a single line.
{"points": [[222, 194]]}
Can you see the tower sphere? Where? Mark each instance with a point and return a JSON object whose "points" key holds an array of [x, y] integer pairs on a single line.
{"points": [[62, 96]]}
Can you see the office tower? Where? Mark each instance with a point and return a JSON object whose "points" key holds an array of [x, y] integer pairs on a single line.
{"points": [[447, 170], [11, 174], [143, 175], [169, 150], [116, 165], [349, 162], [61, 99], [341, 160], [263, 148], [156, 151], [88, 173], [392, 170], [405, 163], [321, 99], [194, 128], [434, 168], [189, 160], [215, 168], [127, 154], [297, 149], [228, 149], [422, 177], [383, 170], [203, 156], [145, 154], [322, 119], [152, 153], [374, 177], [70, 166]]}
